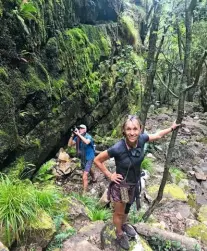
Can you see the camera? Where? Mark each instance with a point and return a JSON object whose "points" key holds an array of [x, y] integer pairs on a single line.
{"points": [[73, 129]]}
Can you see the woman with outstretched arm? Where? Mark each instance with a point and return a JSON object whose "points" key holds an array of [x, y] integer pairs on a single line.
{"points": [[125, 188]]}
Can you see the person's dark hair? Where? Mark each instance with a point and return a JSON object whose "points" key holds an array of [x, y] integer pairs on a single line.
{"points": [[131, 118]]}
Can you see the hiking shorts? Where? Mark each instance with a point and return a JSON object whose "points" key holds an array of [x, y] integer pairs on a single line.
{"points": [[114, 193], [87, 165]]}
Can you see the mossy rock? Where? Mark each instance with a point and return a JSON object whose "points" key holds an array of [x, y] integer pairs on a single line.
{"points": [[202, 215], [145, 244], [40, 231], [170, 191], [128, 28], [192, 201], [199, 232], [108, 240]]}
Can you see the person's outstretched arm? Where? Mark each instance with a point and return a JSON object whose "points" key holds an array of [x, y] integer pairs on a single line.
{"points": [[99, 162], [160, 134]]}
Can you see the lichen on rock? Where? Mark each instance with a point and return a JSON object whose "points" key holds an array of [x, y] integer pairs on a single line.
{"points": [[170, 191]]}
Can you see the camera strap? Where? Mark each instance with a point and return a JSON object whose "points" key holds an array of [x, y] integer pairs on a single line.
{"points": [[131, 161]]}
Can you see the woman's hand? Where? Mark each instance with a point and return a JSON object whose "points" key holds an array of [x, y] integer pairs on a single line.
{"points": [[174, 125], [117, 178]]}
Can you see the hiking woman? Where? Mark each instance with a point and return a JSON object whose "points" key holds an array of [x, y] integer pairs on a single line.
{"points": [[124, 188]]}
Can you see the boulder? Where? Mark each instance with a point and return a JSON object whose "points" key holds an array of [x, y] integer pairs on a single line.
{"points": [[77, 213], [104, 200], [40, 232], [170, 191], [79, 246], [200, 176], [88, 233]]}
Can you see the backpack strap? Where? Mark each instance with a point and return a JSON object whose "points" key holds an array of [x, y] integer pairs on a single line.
{"points": [[131, 160]]}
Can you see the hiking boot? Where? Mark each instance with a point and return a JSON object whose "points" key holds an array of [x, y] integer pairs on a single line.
{"points": [[129, 230], [122, 241]]}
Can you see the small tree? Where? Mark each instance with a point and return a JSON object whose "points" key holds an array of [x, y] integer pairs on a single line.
{"points": [[184, 87]]}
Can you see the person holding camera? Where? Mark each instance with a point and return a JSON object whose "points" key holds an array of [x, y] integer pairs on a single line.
{"points": [[125, 186], [85, 151]]}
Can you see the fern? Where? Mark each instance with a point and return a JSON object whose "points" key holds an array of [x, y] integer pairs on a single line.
{"points": [[99, 214], [26, 11]]}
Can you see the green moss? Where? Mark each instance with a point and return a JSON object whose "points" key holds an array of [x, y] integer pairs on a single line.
{"points": [[43, 227], [34, 83], [183, 142], [1, 9], [192, 201], [36, 142], [177, 174], [199, 232], [111, 232], [203, 140], [3, 133], [3, 72], [45, 222], [202, 215], [82, 53], [58, 87], [114, 133], [129, 30], [106, 46], [171, 190], [145, 244]]}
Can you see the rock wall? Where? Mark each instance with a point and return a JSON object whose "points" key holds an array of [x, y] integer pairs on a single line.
{"points": [[59, 66]]}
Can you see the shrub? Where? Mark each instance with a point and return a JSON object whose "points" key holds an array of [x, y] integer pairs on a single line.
{"points": [[20, 203], [49, 199], [45, 172], [177, 174], [17, 207], [60, 237], [134, 216], [147, 165], [90, 202], [94, 210]]}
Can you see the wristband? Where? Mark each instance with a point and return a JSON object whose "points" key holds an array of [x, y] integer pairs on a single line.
{"points": [[172, 129]]}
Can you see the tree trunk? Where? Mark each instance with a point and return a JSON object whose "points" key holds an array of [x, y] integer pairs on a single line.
{"points": [[183, 89], [151, 64], [189, 244]]}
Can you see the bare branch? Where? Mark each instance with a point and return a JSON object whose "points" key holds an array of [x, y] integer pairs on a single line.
{"points": [[149, 12], [198, 72], [192, 5], [161, 43], [178, 70], [179, 40], [162, 82]]}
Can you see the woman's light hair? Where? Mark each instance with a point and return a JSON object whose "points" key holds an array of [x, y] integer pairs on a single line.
{"points": [[131, 118]]}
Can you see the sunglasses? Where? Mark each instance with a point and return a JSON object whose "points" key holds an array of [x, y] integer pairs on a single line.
{"points": [[136, 152]]}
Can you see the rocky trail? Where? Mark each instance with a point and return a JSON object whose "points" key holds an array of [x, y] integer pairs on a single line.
{"points": [[183, 210]]}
